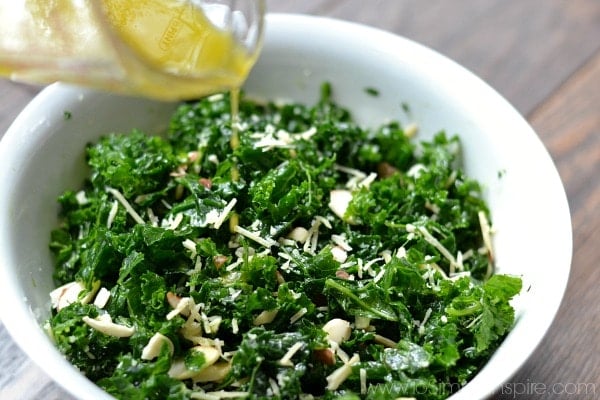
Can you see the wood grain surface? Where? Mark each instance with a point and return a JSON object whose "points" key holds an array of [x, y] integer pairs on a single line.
{"points": [[544, 57]]}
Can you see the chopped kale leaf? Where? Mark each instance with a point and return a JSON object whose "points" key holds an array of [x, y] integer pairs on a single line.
{"points": [[190, 269]]}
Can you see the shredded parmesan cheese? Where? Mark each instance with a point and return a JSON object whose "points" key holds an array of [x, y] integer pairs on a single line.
{"points": [[363, 380], [152, 217], [265, 317], [298, 315], [340, 240], [271, 139], [337, 377], [421, 328], [360, 268], [218, 395], [339, 352], [415, 170], [378, 277], [191, 246], [310, 246], [81, 198], [285, 361], [268, 242], [117, 195], [368, 180], [176, 221], [324, 221], [223, 215], [274, 388], [435, 243], [369, 264], [356, 176], [486, 233], [112, 214]]}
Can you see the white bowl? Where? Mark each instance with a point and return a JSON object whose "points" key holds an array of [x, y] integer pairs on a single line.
{"points": [[42, 154]]}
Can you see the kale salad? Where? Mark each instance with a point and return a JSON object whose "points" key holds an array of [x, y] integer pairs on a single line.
{"points": [[291, 254]]}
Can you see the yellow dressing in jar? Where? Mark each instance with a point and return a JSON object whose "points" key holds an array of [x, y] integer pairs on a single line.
{"points": [[164, 49]]}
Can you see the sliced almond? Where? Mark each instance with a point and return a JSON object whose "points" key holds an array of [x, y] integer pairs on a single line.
{"points": [[340, 255], [180, 305], [211, 354], [338, 330], [191, 330], [340, 273], [69, 293], [298, 234], [265, 317], [386, 170], [173, 299], [206, 182], [193, 156], [89, 296], [219, 260], [102, 297], [155, 344], [65, 295], [104, 324], [326, 356], [179, 370], [339, 200], [213, 373]]}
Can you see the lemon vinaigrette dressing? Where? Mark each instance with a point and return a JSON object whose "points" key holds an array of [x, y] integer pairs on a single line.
{"points": [[178, 53], [162, 49], [234, 143]]}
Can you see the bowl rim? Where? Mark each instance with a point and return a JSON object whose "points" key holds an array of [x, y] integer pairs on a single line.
{"points": [[34, 343]]}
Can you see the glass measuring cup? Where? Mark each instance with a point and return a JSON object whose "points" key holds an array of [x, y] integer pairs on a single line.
{"points": [[164, 49]]}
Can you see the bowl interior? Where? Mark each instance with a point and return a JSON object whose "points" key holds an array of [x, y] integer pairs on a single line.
{"points": [[42, 156]]}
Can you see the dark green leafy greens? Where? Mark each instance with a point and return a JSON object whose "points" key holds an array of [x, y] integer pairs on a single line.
{"points": [[213, 268]]}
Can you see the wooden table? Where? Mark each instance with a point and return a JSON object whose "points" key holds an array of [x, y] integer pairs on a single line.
{"points": [[544, 57]]}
